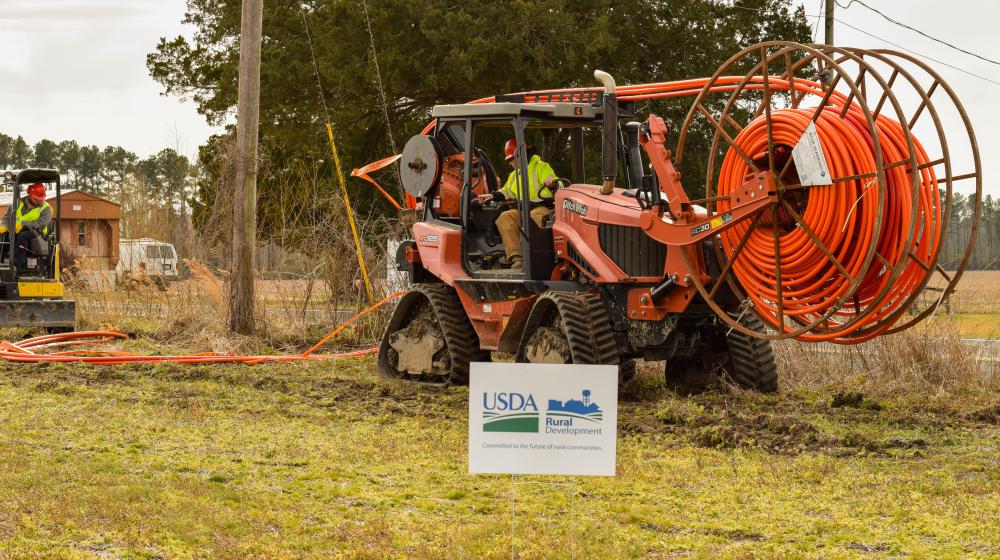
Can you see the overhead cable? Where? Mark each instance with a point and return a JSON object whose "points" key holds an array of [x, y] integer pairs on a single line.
{"points": [[915, 30]]}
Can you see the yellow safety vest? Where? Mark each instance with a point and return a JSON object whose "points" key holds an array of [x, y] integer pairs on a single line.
{"points": [[33, 214], [538, 172]]}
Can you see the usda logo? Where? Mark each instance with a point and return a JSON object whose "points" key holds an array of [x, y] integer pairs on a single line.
{"points": [[517, 412], [509, 412]]}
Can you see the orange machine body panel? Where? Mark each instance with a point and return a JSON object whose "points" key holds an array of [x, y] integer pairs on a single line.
{"points": [[448, 198]]}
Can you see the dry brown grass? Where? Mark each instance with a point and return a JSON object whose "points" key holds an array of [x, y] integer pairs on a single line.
{"points": [[191, 313], [978, 292], [930, 361]]}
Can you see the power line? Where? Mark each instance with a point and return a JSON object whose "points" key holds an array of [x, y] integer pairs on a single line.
{"points": [[953, 67], [915, 30], [884, 40], [815, 25]]}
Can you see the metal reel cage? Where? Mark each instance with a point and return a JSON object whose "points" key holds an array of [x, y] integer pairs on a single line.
{"points": [[865, 103]]}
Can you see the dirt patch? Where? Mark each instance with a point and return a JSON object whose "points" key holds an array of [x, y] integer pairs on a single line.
{"points": [[852, 399], [779, 425], [989, 415], [770, 432]]}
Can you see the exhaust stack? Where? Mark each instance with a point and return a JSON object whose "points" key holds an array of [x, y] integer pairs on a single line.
{"points": [[609, 145]]}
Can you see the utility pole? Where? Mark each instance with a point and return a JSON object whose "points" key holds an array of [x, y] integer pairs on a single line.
{"points": [[241, 279], [829, 21]]}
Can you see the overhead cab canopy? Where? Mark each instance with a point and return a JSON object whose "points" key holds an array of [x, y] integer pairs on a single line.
{"points": [[36, 176], [584, 113]]}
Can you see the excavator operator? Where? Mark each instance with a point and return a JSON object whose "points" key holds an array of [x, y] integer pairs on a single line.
{"points": [[34, 215], [541, 177]]}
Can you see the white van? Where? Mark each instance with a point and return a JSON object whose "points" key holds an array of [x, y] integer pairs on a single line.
{"points": [[149, 257]]}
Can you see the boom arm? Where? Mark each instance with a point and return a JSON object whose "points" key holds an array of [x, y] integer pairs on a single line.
{"points": [[686, 228]]}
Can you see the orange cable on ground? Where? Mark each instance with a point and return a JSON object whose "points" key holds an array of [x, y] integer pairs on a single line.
{"points": [[24, 351]]}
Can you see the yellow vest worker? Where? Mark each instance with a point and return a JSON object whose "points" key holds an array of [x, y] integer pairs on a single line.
{"points": [[540, 179], [33, 217]]}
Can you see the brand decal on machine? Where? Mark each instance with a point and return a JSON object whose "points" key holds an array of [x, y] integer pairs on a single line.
{"points": [[714, 223], [703, 227], [723, 219], [430, 239], [575, 206]]}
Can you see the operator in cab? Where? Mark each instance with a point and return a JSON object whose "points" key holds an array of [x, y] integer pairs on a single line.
{"points": [[541, 177], [33, 218]]}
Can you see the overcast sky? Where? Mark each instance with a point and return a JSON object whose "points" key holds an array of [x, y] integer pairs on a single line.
{"points": [[76, 69]]}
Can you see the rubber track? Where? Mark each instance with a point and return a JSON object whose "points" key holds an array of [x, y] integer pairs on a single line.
{"points": [[461, 341], [460, 338], [587, 327], [751, 359]]}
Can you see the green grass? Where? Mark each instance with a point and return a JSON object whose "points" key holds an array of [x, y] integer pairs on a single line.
{"points": [[976, 325], [328, 460]]}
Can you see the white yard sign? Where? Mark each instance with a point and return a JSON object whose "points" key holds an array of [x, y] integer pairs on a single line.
{"points": [[543, 419]]}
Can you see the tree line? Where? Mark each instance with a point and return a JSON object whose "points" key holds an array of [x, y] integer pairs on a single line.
{"points": [[154, 192], [986, 254]]}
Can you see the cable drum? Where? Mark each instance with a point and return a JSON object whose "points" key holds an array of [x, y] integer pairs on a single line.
{"points": [[842, 216], [844, 259]]}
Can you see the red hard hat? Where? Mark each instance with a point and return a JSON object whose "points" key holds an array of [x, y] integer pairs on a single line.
{"points": [[37, 192], [509, 149]]}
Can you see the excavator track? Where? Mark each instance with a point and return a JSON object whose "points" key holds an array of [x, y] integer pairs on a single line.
{"points": [[430, 336], [579, 320]]}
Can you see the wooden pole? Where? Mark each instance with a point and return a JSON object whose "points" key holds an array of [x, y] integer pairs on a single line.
{"points": [[241, 295], [829, 22]]}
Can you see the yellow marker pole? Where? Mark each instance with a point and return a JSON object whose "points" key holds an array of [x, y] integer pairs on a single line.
{"points": [[350, 213]]}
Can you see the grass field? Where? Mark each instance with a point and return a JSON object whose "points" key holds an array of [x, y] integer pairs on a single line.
{"points": [[328, 460], [889, 449]]}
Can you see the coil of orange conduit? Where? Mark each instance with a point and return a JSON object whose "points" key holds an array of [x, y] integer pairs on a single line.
{"points": [[842, 216], [827, 302], [25, 351]]}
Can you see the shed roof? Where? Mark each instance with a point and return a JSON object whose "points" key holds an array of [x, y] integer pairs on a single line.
{"points": [[77, 194], [112, 210]]}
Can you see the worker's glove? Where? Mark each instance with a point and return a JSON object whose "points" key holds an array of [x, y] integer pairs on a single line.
{"points": [[3, 229], [18, 227], [499, 196]]}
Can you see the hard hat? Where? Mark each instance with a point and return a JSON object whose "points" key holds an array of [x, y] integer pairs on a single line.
{"points": [[509, 149], [37, 192]]}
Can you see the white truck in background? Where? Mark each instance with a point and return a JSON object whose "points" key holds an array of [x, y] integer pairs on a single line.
{"points": [[144, 258]]}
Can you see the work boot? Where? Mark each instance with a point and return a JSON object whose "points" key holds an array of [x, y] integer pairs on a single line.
{"points": [[516, 263]]}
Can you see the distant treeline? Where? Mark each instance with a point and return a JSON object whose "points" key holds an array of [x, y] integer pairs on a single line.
{"points": [[154, 192], [986, 255]]}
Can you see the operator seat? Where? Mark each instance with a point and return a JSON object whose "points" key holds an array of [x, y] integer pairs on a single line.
{"points": [[40, 249]]}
